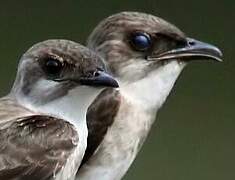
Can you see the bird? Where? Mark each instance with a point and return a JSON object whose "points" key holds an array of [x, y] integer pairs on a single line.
{"points": [[43, 130], [146, 54]]}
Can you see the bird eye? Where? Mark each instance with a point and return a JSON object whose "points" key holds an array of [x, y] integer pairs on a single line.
{"points": [[53, 67], [141, 41]]}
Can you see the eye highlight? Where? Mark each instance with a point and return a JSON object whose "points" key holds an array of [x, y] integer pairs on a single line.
{"points": [[52, 67], [141, 41]]}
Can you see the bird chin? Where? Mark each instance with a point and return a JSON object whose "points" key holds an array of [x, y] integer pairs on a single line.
{"points": [[168, 61], [87, 92]]}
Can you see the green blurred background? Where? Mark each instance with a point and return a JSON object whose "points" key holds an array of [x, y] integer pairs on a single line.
{"points": [[194, 136]]}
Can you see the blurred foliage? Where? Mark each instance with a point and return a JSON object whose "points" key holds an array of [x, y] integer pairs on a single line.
{"points": [[193, 137]]}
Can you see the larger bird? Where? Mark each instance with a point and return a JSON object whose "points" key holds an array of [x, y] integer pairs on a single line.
{"points": [[43, 130], [146, 54]]}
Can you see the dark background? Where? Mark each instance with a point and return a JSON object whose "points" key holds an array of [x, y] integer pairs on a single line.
{"points": [[194, 136]]}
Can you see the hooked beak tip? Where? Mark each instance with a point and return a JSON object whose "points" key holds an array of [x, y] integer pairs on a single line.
{"points": [[206, 50], [101, 79]]}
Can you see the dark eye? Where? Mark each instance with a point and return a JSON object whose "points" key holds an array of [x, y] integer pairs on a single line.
{"points": [[141, 41], [53, 67]]}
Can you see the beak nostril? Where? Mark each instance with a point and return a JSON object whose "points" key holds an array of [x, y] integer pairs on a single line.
{"points": [[97, 73], [191, 43]]}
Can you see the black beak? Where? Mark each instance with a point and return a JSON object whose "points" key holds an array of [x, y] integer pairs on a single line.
{"points": [[192, 50], [100, 78]]}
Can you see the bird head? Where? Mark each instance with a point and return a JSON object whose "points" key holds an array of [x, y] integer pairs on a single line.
{"points": [[136, 44], [51, 69]]}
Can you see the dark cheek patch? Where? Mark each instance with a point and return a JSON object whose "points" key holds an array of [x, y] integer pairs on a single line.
{"points": [[28, 79]]}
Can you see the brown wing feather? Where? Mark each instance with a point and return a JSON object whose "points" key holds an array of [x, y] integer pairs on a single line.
{"points": [[35, 147], [100, 117]]}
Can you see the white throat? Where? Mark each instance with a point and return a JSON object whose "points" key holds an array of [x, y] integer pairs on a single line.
{"points": [[71, 107], [151, 92]]}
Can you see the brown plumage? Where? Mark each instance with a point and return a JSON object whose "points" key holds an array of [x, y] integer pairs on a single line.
{"points": [[35, 147], [103, 110]]}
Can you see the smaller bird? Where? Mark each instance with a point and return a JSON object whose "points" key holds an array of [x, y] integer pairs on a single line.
{"points": [[43, 130]]}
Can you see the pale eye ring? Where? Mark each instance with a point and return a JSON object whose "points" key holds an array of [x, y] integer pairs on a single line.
{"points": [[141, 41]]}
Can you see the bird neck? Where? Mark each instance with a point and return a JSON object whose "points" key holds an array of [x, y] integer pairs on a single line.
{"points": [[72, 107], [11, 109], [150, 92]]}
